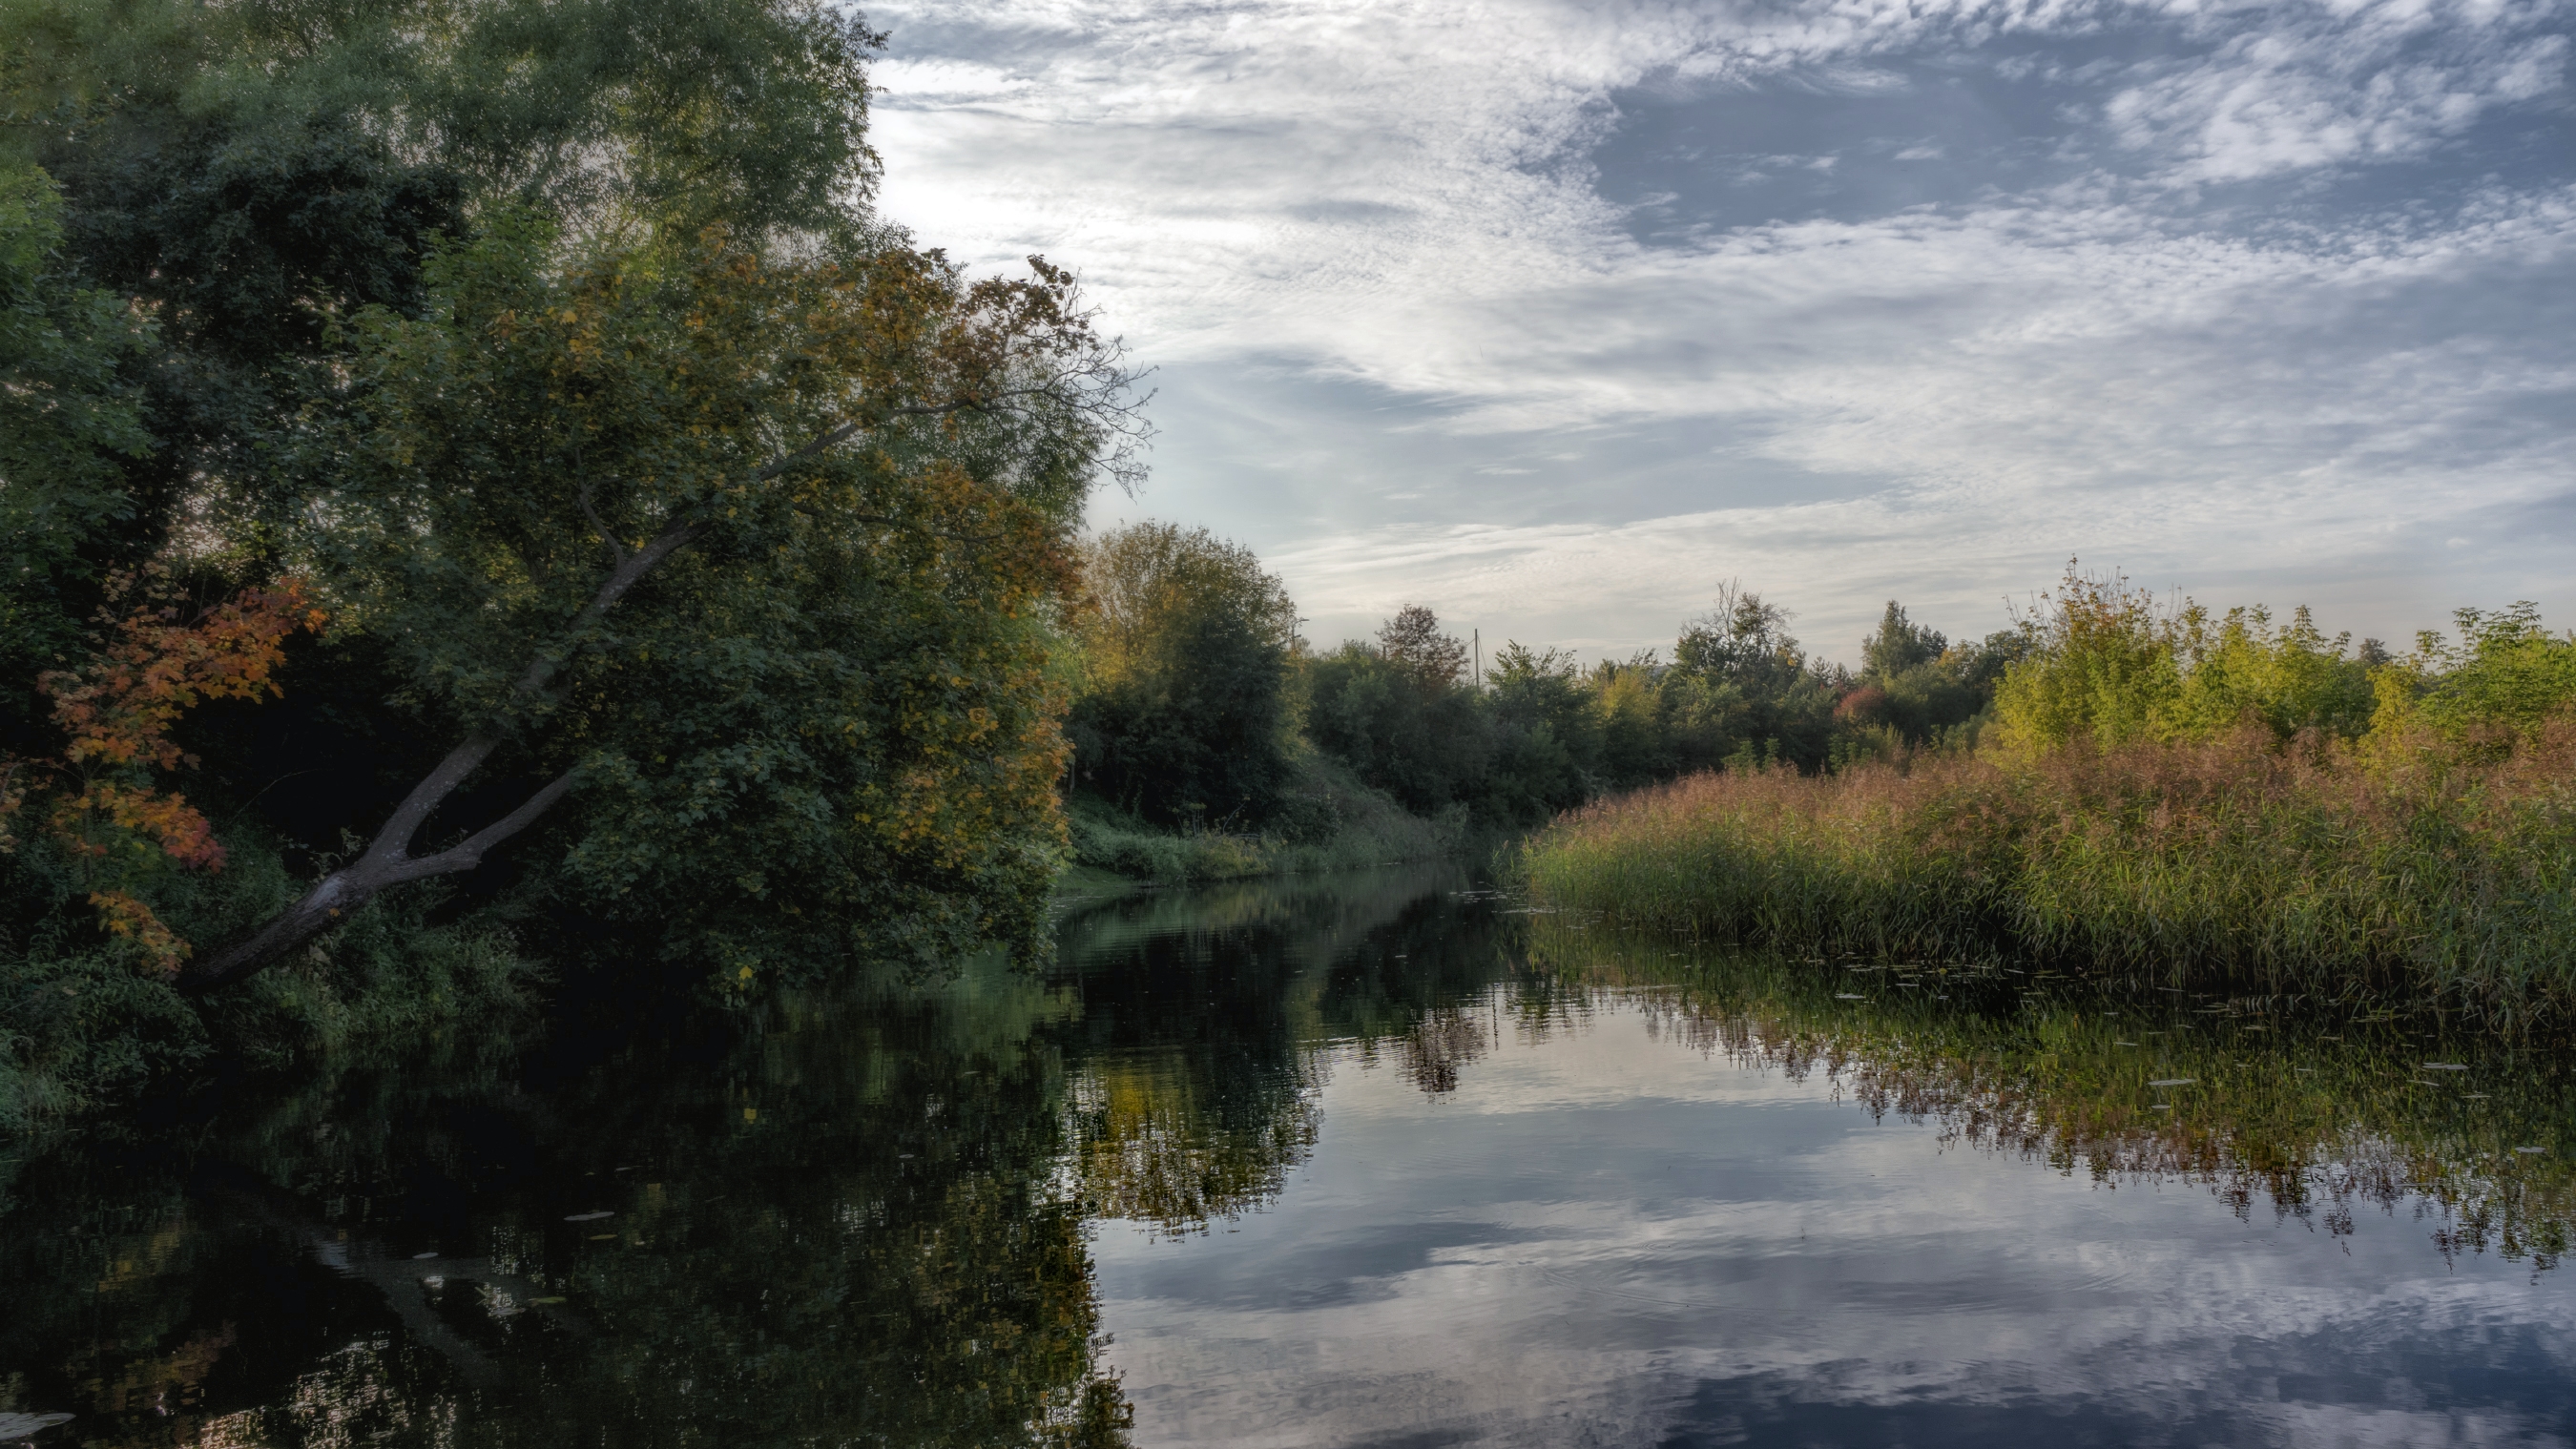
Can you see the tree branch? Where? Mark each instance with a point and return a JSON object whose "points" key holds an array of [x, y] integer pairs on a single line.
{"points": [[388, 860], [616, 550]]}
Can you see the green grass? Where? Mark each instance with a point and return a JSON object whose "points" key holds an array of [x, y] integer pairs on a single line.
{"points": [[1331, 822], [2231, 863]]}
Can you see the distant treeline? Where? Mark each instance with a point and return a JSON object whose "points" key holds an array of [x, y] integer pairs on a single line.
{"points": [[1194, 697]]}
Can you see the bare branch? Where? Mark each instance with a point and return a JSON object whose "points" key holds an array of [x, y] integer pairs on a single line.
{"points": [[616, 550]]}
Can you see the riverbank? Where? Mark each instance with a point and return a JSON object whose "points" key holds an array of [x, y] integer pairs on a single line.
{"points": [[2236, 863], [1330, 821]]}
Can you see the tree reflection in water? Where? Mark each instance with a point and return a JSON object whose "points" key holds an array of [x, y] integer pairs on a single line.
{"points": [[1210, 1020], [847, 1229], [865, 1221]]}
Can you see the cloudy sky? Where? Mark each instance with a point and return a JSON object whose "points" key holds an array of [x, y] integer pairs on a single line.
{"points": [[1555, 315]]}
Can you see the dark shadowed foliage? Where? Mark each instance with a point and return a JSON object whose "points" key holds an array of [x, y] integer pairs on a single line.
{"points": [[1183, 714]]}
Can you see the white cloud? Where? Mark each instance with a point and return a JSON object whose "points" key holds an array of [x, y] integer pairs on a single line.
{"points": [[2318, 86], [1405, 201]]}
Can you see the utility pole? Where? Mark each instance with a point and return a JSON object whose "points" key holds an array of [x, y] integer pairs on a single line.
{"points": [[1479, 636]]}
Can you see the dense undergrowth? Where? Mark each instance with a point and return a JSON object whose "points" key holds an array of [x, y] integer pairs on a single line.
{"points": [[2225, 862], [83, 1026], [2202, 802], [1327, 820]]}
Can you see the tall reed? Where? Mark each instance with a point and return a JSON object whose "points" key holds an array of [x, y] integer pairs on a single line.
{"points": [[2310, 867]]}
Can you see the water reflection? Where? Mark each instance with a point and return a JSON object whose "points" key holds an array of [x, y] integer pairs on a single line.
{"points": [[1373, 1160], [2313, 1115], [849, 1228], [1574, 1188]]}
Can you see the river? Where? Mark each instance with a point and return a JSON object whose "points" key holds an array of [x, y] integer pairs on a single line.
{"points": [[1382, 1160]]}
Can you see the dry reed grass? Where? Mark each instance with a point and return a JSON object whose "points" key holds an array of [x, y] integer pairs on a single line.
{"points": [[2316, 867]]}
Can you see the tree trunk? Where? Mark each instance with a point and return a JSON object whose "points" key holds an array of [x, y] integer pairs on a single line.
{"points": [[388, 861]]}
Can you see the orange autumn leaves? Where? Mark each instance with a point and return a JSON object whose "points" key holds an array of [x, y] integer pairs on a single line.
{"points": [[117, 710]]}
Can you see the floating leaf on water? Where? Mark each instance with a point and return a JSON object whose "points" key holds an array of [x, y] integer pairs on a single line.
{"points": [[21, 1426], [589, 1217], [2444, 1067], [2172, 1081]]}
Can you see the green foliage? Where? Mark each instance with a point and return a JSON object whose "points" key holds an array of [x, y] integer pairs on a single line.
{"points": [[754, 111], [1327, 820], [1402, 715], [458, 308], [85, 1023], [1405, 726], [822, 730], [2103, 664], [1544, 735], [1183, 714], [1550, 736], [1916, 689], [68, 416], [2506, 676], [2216, 799], [2104, 668], [1741, 692]]}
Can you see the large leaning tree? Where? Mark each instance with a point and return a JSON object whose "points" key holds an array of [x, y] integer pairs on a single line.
{"points": [[739, 556], [673, 520]]}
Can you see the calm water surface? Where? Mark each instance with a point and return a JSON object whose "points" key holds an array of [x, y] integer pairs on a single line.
{"points": [[1371, 1161]]}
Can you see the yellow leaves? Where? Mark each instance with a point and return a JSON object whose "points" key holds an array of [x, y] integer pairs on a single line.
{"points": [[123, 916], [118, 709]]}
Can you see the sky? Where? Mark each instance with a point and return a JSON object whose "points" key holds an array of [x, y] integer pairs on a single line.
{"points": [[1556, 316]]}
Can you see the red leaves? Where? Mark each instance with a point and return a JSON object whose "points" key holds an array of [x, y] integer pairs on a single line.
{"points": [[119, 707], [117, 710]]}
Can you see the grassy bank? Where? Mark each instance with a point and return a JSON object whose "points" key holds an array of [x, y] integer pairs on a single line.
{"points": [[2240, 862], [1329, 821]]}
